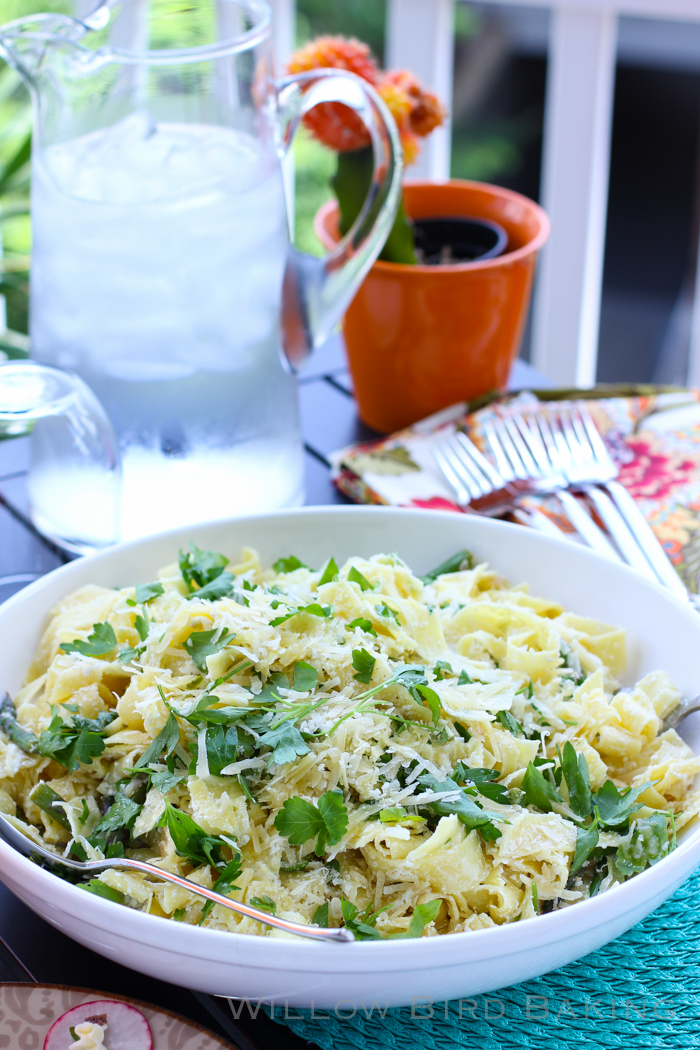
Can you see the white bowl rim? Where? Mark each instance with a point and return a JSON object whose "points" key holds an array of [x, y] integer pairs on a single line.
{"points": [[553, 927]]}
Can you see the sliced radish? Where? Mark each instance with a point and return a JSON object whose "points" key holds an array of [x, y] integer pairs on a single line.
{"points": [[125, 1027]]}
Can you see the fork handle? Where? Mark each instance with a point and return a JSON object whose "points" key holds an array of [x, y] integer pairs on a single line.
{"points": [[341, 935], [647, 539], [585, 526], [620, 531]]}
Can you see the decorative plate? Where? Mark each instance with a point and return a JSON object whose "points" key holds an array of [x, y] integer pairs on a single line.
{"points": [[27, 1011]]}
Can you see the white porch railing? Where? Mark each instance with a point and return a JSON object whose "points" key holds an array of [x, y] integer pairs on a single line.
{"points": [[576, 154]]}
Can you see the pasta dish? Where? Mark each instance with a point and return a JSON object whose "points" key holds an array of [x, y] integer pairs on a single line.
{"points": [[348, 745]]}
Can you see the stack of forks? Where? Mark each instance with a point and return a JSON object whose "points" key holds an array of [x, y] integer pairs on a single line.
{"points": [[554, 448]]}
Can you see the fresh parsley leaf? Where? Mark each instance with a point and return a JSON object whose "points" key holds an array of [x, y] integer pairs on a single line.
{"points": [[528, 691], [355, 576], [101, 641], [570, 659], [647, 845], [146, 592], [363, 925], [423, 915], [467, 809], [614, 808], [387, 612], [165, 780], [200, 567], [265, 903], [101, 889], [24, 738], [223, 884], [575, 770], [222, 747], [464, 679], [463, 732], [441, 669], [287, 869], [459, 561], [121, 814], [286, 742], [305, 677], [299, 820], [141, 625], [586, 842], [76, 741], [482, 779], [166, 741], [363, 662], [201, 644], [285, 565], [511, 724], [314, 609], [330, 573], [130, 652], [429, 698], [220, 587], [321, 915], [46, 798], [364, 625], [539, 791], [191, 841]]}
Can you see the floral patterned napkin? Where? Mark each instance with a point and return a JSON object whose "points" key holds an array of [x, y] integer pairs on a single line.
{"points": [[653, 436]]}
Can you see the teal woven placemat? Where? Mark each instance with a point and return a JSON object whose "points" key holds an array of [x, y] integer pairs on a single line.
{"points": [[642, 990]]}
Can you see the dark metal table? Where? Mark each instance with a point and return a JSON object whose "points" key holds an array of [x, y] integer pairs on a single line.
{"points": [[30, 949]]}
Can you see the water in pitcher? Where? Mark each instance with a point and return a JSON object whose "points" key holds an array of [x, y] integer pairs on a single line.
{"points": [[157, 271]]}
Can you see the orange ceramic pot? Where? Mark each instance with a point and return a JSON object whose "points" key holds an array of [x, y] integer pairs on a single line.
{"points": [[420, 338]]}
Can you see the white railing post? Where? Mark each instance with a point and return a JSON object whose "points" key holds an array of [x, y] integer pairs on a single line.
{"points": [[420, 37], [283, 38], [575, 171]]}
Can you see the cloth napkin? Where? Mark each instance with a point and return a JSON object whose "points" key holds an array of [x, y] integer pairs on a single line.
{"points": [[653, 437]]}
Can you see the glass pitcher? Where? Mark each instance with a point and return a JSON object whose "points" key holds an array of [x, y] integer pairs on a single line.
{"points": [[162, 273]]}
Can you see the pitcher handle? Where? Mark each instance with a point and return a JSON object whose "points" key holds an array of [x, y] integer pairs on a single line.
{"points": [[75, 472], [316, 292]]}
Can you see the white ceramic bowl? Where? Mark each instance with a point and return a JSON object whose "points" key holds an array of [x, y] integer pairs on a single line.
{"points": [[662, 633]]}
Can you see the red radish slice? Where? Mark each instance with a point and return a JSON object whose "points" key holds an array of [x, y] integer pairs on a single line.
{"points": [[126, 1027]]}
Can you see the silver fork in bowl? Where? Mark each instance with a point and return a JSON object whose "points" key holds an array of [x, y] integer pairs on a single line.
{"points": [[14, 837], [573, 442]]}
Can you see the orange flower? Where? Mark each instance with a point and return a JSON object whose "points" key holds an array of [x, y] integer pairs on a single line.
{"points": [[416, 111]]}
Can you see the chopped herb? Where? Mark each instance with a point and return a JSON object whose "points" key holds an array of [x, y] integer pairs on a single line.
{"points": [[586, 842], [464, 679], [265, 903], [101, 889], [440, 668], [539, 791], [320, 915], [363, 662], [178, 913], [76, 741], [395, 813], [314, 609], [101, 641], [166, 742], [528, 691], [192, 842], [121, 814], [146, 592], [46, 798], [330, 573], [458, 562], [201, 644], [141, 625], [576, 775], [286, 742], [200, 567], [305, 677], [355, 576], [471, 814], [364, 625], [221, 747], [289, 868], [165, 781], [362, 927], [285, 565], [299, 820], [535, 897], [463, 732], [387, 612], [220, 587], [647, 845], [223, 884], [245, 788], [483, 781], [423, 915], [511, 724], [615, 809]]}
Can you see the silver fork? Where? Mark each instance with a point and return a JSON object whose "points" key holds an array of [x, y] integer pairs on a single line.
{"points": [[25, 845], [480, 487], [580, 453], [522, 458]]}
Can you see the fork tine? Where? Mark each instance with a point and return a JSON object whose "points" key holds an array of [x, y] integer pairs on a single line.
{"points": [[541, 421], [480, 461], [516, 437], [600, 451], [454, 479], [461, 459], [517, 467], [502, 461], [533, 439]]}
